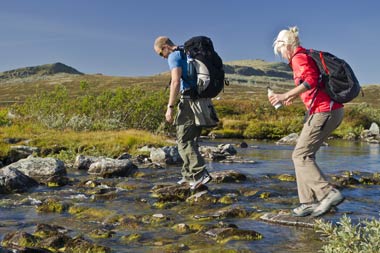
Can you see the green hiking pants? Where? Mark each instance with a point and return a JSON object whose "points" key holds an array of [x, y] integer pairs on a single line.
{"points": [[187, 139]]}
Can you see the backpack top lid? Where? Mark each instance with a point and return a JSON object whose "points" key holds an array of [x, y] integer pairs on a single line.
{"points": [[338, 77], [199, 45]]}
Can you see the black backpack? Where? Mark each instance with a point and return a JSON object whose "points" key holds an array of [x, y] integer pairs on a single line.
{"points": [[340, 81], [205, 67]]}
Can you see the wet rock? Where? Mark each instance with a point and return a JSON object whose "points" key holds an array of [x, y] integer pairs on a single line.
{"points": [[131, 238], [374, 129], [40, 169], [53, 206], [225, 234], [108, 167], [345, 180], [98, 214], [286, 177], [228, 212], [287, 219], [101, 234], [124, 156], [182, 228], [203, 197], [83, 162], [166, 155], [227, 176], [19, 239], [12, 180], [171, 192], [291, 139], [243, 145], [221, 152], [82, 245], [20, 152], [228, 199]]}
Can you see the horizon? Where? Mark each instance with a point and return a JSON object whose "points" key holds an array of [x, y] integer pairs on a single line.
{"points": [[116, 38]]}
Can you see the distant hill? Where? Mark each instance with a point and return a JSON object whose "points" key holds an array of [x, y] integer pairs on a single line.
{"points": [[259, 73], [37, 72]]}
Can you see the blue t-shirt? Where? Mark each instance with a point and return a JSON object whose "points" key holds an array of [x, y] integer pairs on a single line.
{"points": [[175, 60]]}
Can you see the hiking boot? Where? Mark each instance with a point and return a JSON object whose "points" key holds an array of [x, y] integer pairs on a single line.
{"points": [[204, 179], [332, 199], [183, 180], [304, 210]]}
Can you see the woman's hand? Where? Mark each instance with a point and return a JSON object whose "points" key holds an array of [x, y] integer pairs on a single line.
{"points": [[283, 98]]}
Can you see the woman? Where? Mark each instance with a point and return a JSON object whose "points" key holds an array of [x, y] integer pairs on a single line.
{"points": [[317, 196]]}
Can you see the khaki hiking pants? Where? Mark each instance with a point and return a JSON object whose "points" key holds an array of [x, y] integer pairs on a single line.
{"points": [[187, 138], [311, 183]]}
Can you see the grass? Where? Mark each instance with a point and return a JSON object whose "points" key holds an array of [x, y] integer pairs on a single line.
{"points": [[91, 105], [66, 144]]}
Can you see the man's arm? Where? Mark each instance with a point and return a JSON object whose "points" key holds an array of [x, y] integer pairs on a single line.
{"points": [[175, 83]]}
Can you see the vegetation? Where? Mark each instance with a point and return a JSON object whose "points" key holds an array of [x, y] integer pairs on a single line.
{"points": [[95, 114], [346, 237]]}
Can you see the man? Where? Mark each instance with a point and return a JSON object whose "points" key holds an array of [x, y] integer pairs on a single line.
{"points": [[193, 170]]}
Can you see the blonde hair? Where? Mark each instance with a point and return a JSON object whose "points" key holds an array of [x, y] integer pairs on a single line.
{"points": [[162, 41], [287, 38]]}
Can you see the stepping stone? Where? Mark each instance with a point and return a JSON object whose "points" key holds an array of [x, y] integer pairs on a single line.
{"points": [[287, 219]]}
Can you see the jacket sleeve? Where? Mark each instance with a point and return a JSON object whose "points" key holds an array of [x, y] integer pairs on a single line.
{"points": [[305, 71]]}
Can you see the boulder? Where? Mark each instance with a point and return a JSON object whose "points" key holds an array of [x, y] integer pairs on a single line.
{"points": [[221, 152], [12, 180], [19, 152], [291, 139], [225, 234], [227, 176], [83, 162], [374, 129], [40, 169], [107, 167], [167, 155]]}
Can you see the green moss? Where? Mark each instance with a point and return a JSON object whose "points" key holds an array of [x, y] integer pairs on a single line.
{"points": [[131, 238], [53, 206]]}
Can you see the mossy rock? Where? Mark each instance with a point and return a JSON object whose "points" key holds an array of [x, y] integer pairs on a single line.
{"points": [[131, 238], [227, 200], [20, 238], [53, 206], [181, 228], [87, 212], [223, 235], [287, 178], [101, 234], [81, 245], [202, 197]]}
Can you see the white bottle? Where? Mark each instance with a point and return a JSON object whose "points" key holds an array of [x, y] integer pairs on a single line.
{"points": [[270, 93]]}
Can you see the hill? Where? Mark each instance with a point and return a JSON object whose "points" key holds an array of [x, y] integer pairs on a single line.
{"points": [[259, 73], [37, 72]]}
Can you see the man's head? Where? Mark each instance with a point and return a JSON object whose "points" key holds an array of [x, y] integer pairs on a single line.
{"points": [[163, 46]]}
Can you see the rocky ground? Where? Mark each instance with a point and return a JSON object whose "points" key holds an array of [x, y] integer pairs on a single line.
{"points": [[133, 204]]}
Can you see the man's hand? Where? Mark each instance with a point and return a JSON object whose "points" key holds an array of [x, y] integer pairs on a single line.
{"points": [[169, 115]]}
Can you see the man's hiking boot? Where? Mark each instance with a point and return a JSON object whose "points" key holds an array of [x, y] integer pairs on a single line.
{"points": [[304, 210], [204, 179], [332, 199]]}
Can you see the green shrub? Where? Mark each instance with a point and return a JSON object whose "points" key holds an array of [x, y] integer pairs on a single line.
{"points": [[346, 237], [110, 110]]}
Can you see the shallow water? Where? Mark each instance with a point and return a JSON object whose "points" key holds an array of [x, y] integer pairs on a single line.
{"points": [[361, 202]]}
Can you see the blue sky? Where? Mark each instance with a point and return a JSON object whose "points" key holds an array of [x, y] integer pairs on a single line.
{"points": [[115, 37]]}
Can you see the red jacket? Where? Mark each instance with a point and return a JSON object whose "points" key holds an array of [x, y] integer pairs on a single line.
{"points": [[306, 72]]}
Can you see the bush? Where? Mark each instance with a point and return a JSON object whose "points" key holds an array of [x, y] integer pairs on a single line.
{"points": [[111, 110], [350, 238]]}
